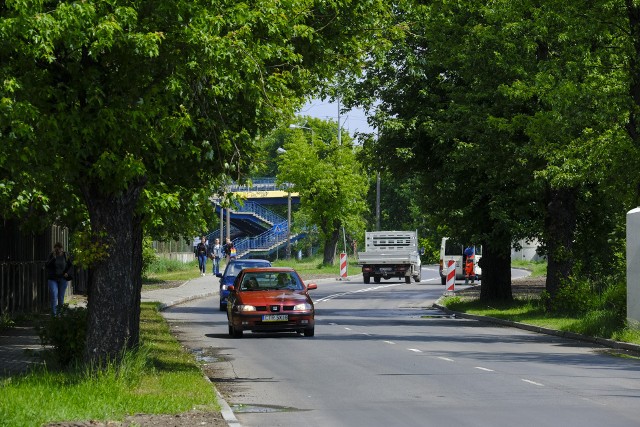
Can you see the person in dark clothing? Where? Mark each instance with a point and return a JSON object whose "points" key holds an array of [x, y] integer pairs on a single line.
{"points": [[58, 275], [201, 254]]}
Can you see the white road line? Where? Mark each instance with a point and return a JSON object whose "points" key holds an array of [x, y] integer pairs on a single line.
{"points": [[532, 382], [364, 333], [484, 369], [348, 329], [445, 359], [415, 350], [389, 342], [329, 297]]}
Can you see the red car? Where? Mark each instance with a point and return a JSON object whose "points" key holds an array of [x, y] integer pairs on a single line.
{"points": [[270, 299]]}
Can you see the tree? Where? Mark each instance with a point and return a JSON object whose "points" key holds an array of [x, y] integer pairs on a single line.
{"points": [[138, 112], [510, 114], [329, 179]]}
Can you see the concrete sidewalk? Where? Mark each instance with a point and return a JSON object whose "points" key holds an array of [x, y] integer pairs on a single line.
{"points": [[19, 345]]}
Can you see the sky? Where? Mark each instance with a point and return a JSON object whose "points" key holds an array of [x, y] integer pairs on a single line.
{"points": [[353, 121]]}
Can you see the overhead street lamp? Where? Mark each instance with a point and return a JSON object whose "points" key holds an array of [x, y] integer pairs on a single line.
{"points": [[294, 126]]}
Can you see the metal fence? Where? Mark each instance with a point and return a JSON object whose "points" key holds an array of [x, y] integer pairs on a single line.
{"points": [[23, 278]]}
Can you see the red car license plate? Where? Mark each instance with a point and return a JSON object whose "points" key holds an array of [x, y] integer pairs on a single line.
{"points": [[275, 317]]}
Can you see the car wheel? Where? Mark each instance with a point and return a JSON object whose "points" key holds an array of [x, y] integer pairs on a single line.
{"points": [[223, 307], [309, 332], [230, 330], [377, 279], [407, 279], [237, 333], [367, 279]]}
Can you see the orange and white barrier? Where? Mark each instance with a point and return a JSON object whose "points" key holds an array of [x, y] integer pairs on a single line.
{"points": [[343, 265], [451, 275]]}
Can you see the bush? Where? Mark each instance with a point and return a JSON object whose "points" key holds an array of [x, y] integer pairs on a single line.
{"points": [[149, 256], [574, 298], [66, 333]]}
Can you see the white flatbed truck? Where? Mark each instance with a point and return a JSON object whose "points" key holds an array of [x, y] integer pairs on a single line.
{"points": [[390, 254]]}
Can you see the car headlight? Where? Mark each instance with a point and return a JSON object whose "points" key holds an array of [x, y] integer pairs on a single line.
{"points": [[303, 307], [224, 287], [243, 308]]}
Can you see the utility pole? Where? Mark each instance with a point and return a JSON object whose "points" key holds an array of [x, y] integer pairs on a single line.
{"points": [[339, 126], [378, 202]]}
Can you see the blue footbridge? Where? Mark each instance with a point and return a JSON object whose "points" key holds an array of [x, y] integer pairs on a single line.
{"points": [[255, 229]]}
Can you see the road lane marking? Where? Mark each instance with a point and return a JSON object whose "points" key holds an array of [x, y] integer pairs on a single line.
{"points": [[340, 294], [364, 333], [532, 382], [348, 329], [484, 369], [445, 359], [415, 350], [389, 342]]}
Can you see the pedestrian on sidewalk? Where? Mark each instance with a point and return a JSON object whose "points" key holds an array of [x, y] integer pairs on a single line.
{"points": [[58, 267], [201, 254], [229, 250], [215, 253]]}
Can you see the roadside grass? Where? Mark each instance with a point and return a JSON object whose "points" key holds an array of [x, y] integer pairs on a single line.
{"points": [[595, 323], [158, 378], [537, 268], [163, 270]]}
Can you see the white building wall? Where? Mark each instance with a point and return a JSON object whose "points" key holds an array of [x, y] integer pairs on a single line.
{"points": [[633, 267], [528, 251]]}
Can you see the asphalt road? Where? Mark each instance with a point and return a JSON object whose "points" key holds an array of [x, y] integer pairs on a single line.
{"points": [[376, 360]]}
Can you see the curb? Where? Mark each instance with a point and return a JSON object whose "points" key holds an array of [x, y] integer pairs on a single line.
{"points": [[617, 345], [165, 305]]}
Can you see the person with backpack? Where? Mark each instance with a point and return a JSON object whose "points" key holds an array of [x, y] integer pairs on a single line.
{"points": [[230, 251], [58, 267]]}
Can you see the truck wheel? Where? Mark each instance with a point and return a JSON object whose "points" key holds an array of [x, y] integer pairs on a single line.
{"points": [[377, 279], [367, 279], [407, 279], [418, 277]]}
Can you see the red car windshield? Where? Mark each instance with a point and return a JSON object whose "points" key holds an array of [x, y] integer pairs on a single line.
{"points": [[261, 281]]}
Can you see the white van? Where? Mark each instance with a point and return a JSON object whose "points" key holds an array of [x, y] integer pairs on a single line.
{"points": [[450, 249]]}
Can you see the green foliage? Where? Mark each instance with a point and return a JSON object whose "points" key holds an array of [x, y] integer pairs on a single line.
{"points": [[66, 333], [164, 265], [574, 298], [328, 178], [6, 321], [149, 256], [90, 248]]}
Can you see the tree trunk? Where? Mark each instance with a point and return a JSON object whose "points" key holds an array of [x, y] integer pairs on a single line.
{"points": [[330, 245], [496, 269], [633, 124], [559, 224], [114, 287]]}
